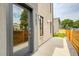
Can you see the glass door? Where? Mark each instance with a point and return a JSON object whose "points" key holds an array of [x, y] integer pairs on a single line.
{"points": [[20, 28]]}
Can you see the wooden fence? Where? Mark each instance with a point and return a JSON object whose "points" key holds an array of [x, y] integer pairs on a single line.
{"points": [[73, 36], [19, 37]]}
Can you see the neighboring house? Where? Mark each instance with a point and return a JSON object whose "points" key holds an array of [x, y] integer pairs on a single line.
{"points": [[40, 27], [56, 23], [16, 27]]}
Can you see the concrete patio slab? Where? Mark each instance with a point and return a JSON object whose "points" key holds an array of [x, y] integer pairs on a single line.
{"points": [[56, 47]]}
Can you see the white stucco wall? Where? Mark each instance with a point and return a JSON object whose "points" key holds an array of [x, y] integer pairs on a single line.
{"points": [[5, 29], [44, 10]]}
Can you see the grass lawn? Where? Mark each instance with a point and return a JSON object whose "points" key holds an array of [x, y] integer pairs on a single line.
{"points": [[59, 35]]}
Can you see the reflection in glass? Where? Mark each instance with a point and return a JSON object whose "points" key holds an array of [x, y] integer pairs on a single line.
{"points": [[20, 25]]}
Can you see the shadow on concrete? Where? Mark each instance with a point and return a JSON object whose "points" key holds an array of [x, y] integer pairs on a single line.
{"points": [[47, 49], [54, 44], [23, 52], [71, 49], [57, 43]]}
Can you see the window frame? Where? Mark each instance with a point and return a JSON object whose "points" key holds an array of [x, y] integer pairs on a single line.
{"points": [[41, 22]]}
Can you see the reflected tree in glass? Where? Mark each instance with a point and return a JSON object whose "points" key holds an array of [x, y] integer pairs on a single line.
{"points": [[23, 19]]}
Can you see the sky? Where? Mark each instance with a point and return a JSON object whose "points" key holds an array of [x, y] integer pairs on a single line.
{"points": [[17, 14], [61, 10], [66, 10]]}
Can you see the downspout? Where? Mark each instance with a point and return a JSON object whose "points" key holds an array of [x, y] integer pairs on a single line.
{"points": [[52, 19]]}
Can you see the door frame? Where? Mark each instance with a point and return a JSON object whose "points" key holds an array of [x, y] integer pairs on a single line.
{"points": [[10, 34]]}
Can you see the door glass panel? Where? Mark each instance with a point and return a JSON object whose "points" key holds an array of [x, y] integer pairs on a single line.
{"points": [[20, 27]]}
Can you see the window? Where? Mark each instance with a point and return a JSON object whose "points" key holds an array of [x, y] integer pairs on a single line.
{"points": [[20, 26], [41, 26]]}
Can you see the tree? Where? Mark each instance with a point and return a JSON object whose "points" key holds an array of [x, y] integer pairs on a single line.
{"points": [[67, 23], [76, 24], [23, 19]]}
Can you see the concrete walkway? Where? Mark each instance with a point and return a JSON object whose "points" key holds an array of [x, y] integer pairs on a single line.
{"points": [[56, 47]]}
